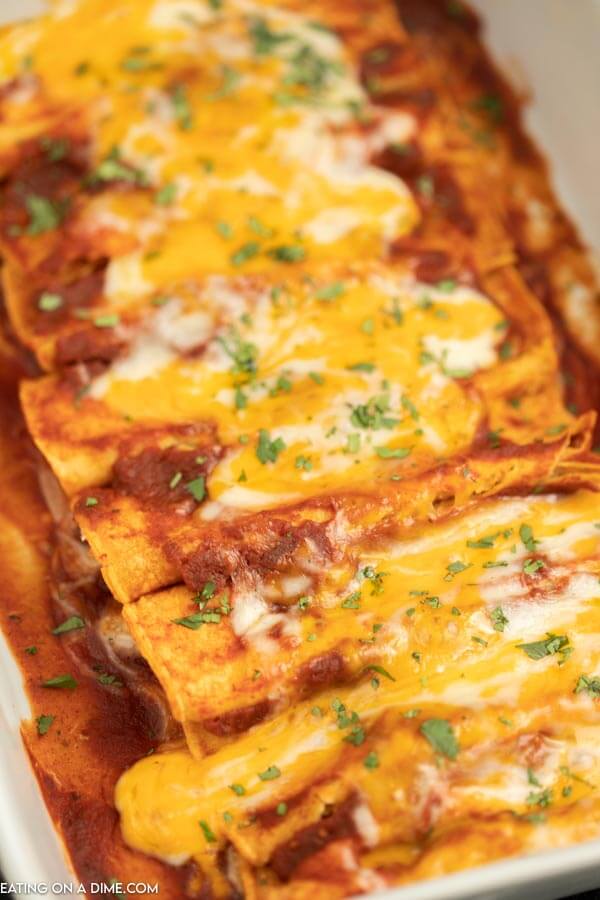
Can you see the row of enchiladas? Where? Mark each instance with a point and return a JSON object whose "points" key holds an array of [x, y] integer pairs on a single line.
{"points": [[312, 376]]}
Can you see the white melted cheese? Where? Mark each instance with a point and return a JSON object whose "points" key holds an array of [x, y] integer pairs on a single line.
{"points": [[146, 355], [332, 224], [529, 617], [180, 15], [167, 335], [464, 354], [252, 621], [245, 498], [480, 522], [124, 278], [366, 825], [560, 547], [250, 182]]}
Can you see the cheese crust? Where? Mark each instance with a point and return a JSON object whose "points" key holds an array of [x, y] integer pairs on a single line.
{"points": [[314, 365]]}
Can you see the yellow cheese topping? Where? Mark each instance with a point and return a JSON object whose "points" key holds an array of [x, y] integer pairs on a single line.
{"points": [[231, 143], [487, 624], [217, 108], [314, 383]]}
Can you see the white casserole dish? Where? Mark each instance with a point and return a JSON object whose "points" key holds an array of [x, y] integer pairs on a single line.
{"points": [[551, 48]]}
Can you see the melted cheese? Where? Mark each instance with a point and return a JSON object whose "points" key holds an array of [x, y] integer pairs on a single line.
{"points": [[322, 356], [232, 265], [160, 75], [494, 692]]}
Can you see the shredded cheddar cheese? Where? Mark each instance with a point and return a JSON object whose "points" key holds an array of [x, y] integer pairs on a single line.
{"points": [[304, 397]]}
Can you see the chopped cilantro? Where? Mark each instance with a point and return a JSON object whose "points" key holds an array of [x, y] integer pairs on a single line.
{"points": [[367, 326], [483, 543], [224, 229], [44, 723], [113, 169], [269, 774], [531, 566], [361, 367], [182, 108], [356, 737], [455, 568], [288, 253], [380, 671], [60, 681], [244, 253], [73, 623], [393, 453], [107, 321], [54, 148], [371, 760], [353, 444], [207, 832], [165, 195], [410, 407], [499, 620], [242, 353], [554, 643], [208, 590], [330, 291], [372, 414], [44, 214], [267, 450], [265, 41], [240, 399], [106, 678], [49, 302], [492, 105], [230, 78], [371, 574], [352, 601], [196, 620], [440, 735], [526, 535], [303, 462], [282, 385], [197, 488], [588, 683], [541, 798], [396, 313], [258, 227]]}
